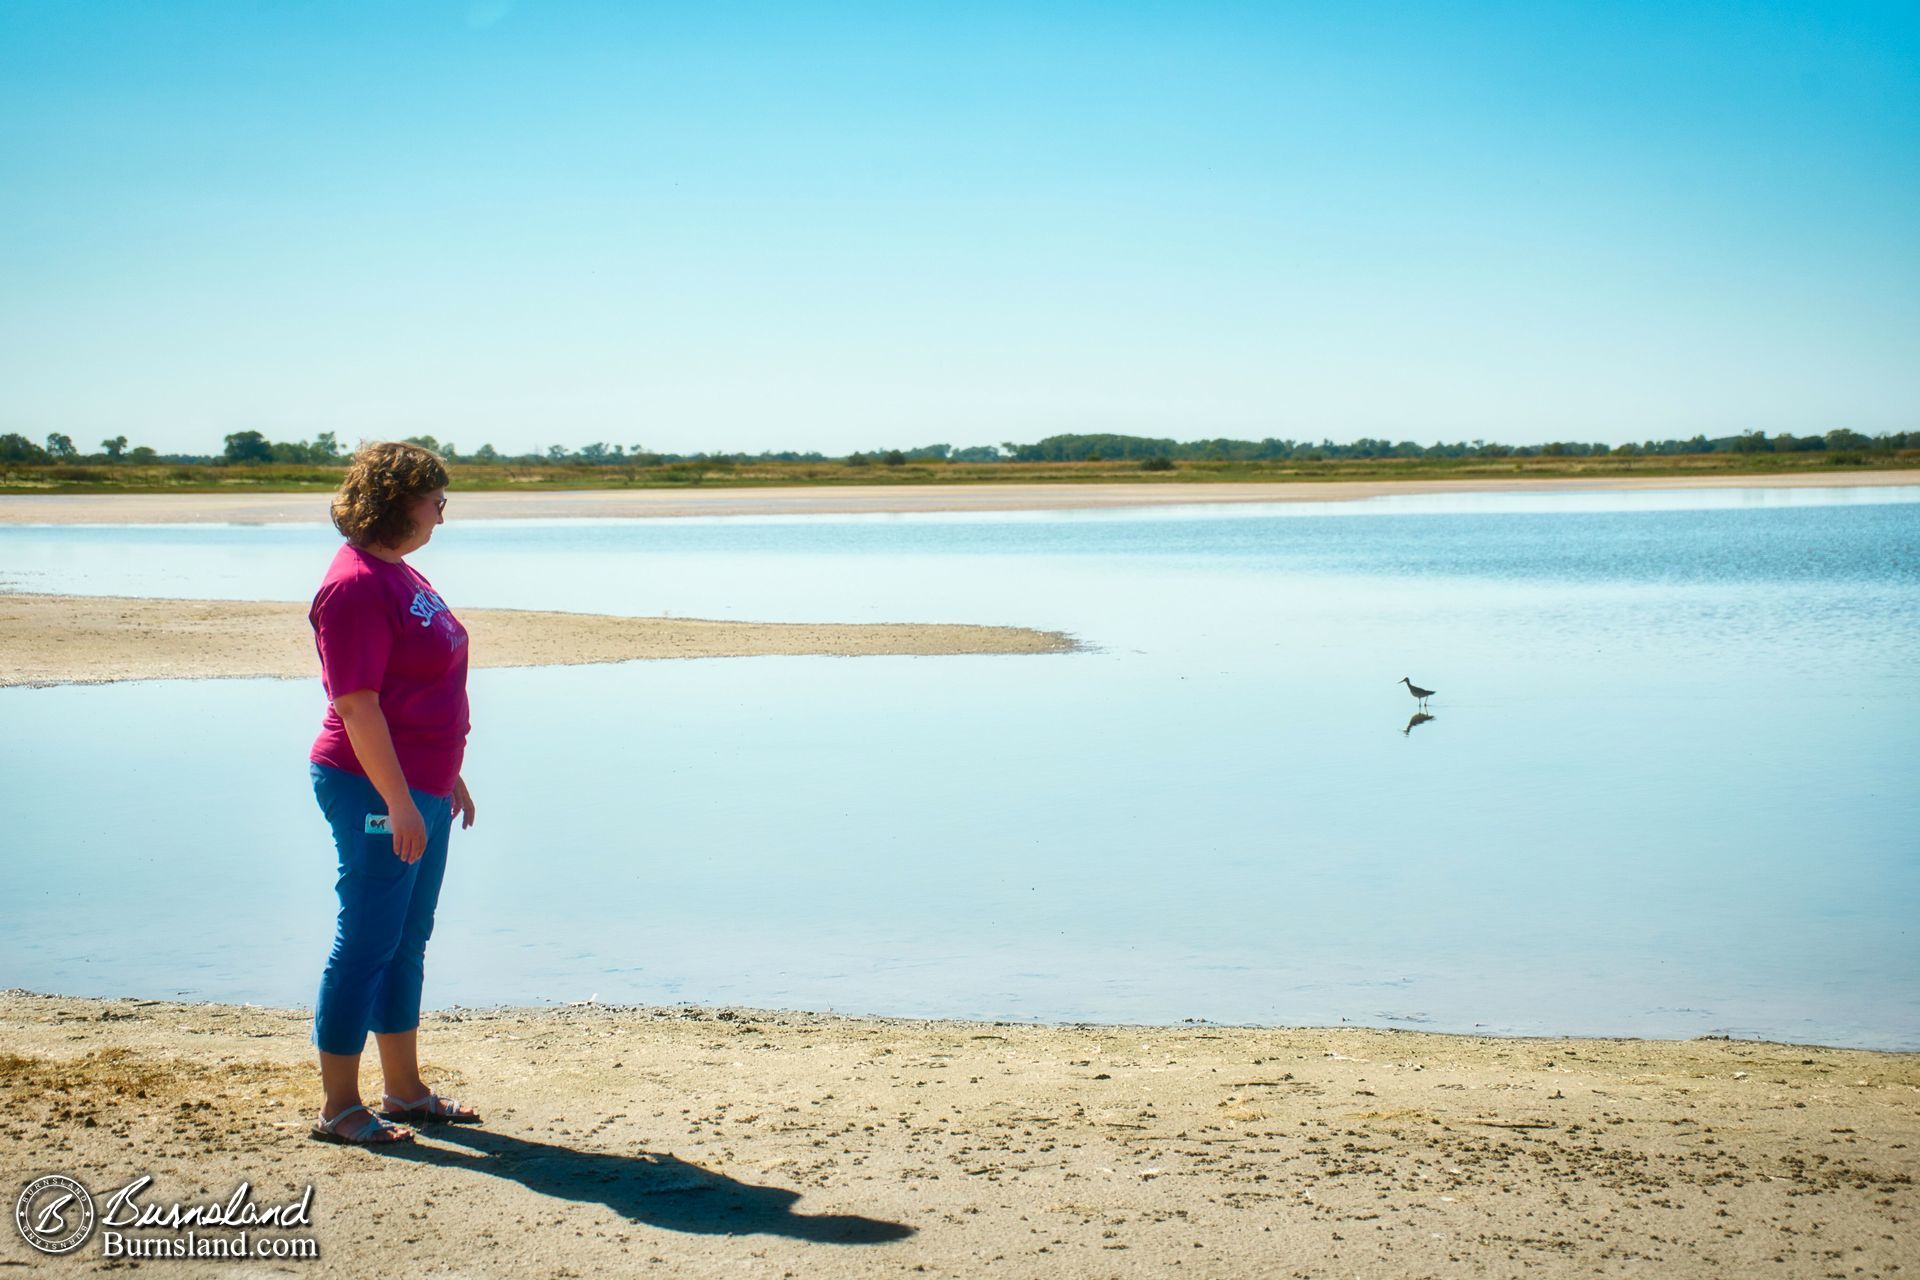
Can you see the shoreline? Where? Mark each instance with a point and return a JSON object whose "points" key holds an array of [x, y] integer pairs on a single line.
{"points": [[311, 507], [48, 640], [704, 1140], [1898, 1060]]}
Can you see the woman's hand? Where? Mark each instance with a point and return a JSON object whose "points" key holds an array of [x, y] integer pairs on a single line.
{"points": [[409, 831], [462, 803], [372, 742]]}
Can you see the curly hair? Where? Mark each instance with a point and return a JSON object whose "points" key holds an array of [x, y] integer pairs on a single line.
{"points": [[383, 478]]}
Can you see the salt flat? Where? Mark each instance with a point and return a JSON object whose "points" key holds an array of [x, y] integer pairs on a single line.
{"points": [[283, 508]]}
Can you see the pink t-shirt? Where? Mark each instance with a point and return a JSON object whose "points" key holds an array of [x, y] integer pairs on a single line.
{"points": [[382, 626]]}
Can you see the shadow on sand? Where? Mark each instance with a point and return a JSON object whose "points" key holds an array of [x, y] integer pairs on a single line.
{"points": [[659, 1190]]}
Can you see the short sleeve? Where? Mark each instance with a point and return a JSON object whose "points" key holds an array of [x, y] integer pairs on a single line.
{"points": [[353, 630]]}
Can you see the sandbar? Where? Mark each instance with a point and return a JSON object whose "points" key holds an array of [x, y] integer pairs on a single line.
{"points": [[297, 508], [685, 1141], [54, 639]]}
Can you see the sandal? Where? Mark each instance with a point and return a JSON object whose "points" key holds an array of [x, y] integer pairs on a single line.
{"points": [[373, 1132], [432, 1109]]}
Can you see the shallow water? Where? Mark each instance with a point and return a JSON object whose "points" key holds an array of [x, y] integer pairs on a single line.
{"points": [[1665, 790]]}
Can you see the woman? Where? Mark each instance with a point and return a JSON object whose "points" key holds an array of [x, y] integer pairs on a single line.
{"points": [[386, 771]]}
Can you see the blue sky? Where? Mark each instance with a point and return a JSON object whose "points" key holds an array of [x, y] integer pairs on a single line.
{"points": [[740, 227]]}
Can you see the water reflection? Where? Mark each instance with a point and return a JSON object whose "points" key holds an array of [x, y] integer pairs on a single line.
{"points": [[1419, 718]]}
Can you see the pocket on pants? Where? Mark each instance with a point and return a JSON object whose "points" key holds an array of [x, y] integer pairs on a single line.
{"points": [[375, 856]]}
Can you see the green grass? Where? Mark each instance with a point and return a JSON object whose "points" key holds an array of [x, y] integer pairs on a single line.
{"points": [[471, 477]]}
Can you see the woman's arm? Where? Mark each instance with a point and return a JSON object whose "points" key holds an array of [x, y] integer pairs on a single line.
{"points": [[372, 743], [462, 803]]}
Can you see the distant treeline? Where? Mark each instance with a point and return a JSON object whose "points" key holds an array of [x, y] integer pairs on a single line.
{"points": [[1098, 448], [252, 447]]}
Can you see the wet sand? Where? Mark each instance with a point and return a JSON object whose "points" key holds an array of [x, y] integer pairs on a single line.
{"points": [[293, 508], [697, 1142], [49, 639]]}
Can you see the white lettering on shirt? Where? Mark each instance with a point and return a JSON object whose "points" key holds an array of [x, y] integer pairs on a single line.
{"points": [[426, 604]]}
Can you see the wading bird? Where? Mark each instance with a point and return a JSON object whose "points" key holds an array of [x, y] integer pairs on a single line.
{"points": [[1416, 690]]}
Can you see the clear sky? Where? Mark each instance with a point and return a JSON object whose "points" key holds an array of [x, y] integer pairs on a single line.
{"points": [[718, 226]]}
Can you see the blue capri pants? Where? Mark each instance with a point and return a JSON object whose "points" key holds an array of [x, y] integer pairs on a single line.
{"points": [[372, 980]]}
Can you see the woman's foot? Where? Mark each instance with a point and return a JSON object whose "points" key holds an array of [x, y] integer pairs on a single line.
{"points": [[427, 1107], [355, 1125]]}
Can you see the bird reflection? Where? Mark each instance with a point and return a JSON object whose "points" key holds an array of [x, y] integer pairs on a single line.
{"points": [[1419, 718]]}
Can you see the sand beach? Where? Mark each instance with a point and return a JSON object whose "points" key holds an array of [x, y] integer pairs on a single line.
{"points": [[51, 639], [293, 508], [685, 1141]]}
